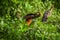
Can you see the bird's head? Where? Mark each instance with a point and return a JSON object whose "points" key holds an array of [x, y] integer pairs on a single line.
{"points": [[37, 14]]}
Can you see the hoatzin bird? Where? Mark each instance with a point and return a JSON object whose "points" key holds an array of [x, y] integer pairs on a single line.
{"points": [[47, 14], [31, 16]]}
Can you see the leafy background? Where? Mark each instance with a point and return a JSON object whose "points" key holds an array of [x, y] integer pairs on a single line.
{"points": [[14, 27]]}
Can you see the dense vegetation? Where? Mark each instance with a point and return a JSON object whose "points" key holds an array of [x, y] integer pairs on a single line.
{"points": [[14, 27]]}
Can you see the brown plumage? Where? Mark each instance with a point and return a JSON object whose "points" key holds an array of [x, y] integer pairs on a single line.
{"points": [[31, 16], [46, 14]]}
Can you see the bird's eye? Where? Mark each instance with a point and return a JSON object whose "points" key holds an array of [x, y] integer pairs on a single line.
{"points": [[38, 13]]}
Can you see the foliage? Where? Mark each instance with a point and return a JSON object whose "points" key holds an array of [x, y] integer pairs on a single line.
{"points": [[14, 27]]}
